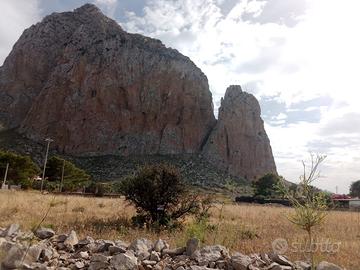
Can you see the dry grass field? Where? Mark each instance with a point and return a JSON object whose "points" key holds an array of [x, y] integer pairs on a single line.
{"points": [[244, 228]]}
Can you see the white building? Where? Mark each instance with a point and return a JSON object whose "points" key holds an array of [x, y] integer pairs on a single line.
{"points": [[354, 204]]}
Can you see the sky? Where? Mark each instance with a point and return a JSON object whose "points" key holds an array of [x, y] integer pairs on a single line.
{"points": [[300, 58]]}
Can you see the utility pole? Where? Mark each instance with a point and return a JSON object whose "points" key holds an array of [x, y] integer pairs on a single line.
{"points": [[6, 172], [48, 140], [62, 175]]}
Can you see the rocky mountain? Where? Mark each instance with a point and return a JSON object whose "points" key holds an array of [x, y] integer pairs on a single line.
{"points": [[238, 143], [79, 78], [95, 89]]}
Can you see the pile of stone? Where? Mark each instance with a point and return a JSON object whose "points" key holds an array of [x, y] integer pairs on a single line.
{"points": [[43, 249]]}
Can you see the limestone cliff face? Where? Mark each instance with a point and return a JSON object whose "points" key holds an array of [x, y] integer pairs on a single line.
{"points": [[95, 89], [78, 78], [238, 143]]}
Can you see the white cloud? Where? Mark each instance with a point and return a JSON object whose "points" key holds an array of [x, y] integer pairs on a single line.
{"points": [[107, 6], [281, 116], [15, 17], [254, 7]]}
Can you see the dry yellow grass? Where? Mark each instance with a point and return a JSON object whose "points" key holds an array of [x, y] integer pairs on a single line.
{"points": [[245, 228]]}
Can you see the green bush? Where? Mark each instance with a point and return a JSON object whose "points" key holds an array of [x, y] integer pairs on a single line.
{"points": [[26, 184], [159, 194], [21, 171], [99, 189], [266, 186], [197, 229]]}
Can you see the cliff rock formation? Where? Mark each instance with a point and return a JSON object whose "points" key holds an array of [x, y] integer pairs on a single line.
{"points": [[78, 78], [95, 89], [238, 143]]}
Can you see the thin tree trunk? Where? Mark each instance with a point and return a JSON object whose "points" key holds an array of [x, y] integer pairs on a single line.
{"points": [[311, 249]]}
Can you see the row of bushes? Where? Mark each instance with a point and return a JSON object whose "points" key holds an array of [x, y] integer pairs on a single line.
{"points": [[23, 171], [261, 200]]}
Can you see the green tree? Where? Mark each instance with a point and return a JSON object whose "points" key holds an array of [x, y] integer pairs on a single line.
{"points": [[266, 185], [355, 189], [22, 169], [159, 194], [74, 177]]}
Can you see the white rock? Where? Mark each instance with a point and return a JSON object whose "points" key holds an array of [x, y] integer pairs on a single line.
{"points": [[47, 254], [280, 259], [240, 261], [276, 266], [327, 266], [142, 248], [221, 264], [124, 261], [211, 253], [84, 255], [155, 256], [37, 266], [79, 265], [71, 240], [141, 244], [160, 245], [302, 265], [33, 253], [149, 262], [13, 257], [122, 244], [13, 228]]}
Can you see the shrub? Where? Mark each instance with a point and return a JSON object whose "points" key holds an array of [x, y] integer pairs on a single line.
{"points": [[201, 223], [21, 168], [26, 183], [197, 229], [99, 189], [204, 205], [159, 194], [266, 186]]}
